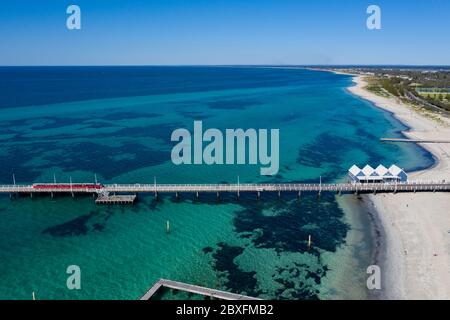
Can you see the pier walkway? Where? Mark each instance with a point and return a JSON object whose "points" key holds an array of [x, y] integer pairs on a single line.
{"points": [[237, 188], [413, 140], [213, 293], [126, 193], [280, 187]]}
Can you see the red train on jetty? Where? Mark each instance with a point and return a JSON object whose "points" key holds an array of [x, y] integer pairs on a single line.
{"points": [[84, 186]]}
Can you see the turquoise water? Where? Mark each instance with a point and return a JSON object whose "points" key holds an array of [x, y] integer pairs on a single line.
{"points": [[122, 134]]}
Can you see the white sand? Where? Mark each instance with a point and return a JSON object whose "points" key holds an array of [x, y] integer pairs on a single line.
{"points": [[417, 226]]}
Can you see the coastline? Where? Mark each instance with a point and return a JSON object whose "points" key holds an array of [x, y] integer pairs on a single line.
{"points": [[415, 237]]}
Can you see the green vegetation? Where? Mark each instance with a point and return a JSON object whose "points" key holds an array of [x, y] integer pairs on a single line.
{"points": [[436, 96], [429, 88], [374, 85], [387, 86], [434, 93]]}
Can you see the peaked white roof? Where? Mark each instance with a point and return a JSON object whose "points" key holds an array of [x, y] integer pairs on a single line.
{"points": [[354, 170], [394, 170], [381, 170], [367, 170]]}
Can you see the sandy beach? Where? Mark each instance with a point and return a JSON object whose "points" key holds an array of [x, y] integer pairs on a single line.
{"points": [[416, 227]]}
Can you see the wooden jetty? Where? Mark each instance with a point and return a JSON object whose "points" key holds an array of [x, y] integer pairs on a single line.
{"points": [[207, 292], [115, 199], [413, 186], [126, 193]]}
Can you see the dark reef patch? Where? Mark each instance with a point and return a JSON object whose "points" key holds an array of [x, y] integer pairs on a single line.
{"points": [[234, 104], [207, 250], [87, 155], [92, 157], [237, 281], [161, 131], [299, 281], [291, 117], [286, 229], [195, 115], [328, 150], [157, 131], [325, 149], [43, 123], [94, 221], [293, 222], [125, 115], [16, 158]]}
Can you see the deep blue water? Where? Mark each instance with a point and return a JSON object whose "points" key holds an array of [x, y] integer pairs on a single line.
{"points": [[45, 85]]}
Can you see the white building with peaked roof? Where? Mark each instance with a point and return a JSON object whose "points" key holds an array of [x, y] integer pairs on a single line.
{"points": [[398, 172], [368, 170], [355, 171], [381, 170], [378, 175]]}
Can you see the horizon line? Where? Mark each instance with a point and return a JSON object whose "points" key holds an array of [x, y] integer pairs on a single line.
{"points": [[231, 65]]}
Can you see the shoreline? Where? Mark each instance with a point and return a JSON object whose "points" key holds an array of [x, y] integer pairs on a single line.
{"points": [[415, 237]]}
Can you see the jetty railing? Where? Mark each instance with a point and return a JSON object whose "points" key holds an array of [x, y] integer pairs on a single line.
{"points": [[410, 186], [181, 286]]}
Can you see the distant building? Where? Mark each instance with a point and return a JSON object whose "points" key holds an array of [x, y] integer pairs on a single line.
{"points": [[378, 175]]}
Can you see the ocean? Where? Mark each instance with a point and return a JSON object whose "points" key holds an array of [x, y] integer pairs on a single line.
{"points": [[116, 123]]}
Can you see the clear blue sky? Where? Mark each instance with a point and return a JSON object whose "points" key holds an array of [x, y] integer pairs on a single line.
{"points": [[224, 32]]}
